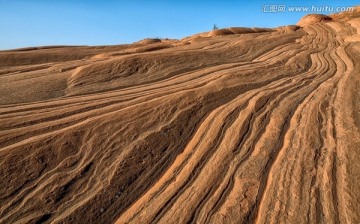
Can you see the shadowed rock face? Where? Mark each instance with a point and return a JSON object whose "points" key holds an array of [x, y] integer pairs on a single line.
{"points": [[252, 126]]}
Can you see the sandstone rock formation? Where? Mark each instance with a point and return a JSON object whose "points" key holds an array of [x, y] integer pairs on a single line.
{"points": [[248, 127]]}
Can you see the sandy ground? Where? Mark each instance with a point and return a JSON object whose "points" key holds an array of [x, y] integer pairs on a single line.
{"points": [[232, 126]]}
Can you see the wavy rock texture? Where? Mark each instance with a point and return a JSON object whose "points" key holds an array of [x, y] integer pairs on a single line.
{"points": [[254, 127]]}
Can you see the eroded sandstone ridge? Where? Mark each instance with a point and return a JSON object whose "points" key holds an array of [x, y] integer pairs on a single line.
{"points": [[237, 125]]}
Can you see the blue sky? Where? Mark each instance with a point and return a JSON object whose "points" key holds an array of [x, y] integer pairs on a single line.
{"points": [[25, 23]]}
